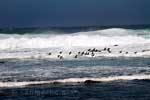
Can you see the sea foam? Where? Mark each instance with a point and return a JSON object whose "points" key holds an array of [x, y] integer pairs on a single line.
{"points": [[99, 38], [75, 80]]}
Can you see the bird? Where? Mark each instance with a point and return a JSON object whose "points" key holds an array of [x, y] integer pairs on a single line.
{"points": [[89, 49], [135, 52], [116, 45], [105, 49], [49, 53], [99, 50], [93, 54], [60, 52], [120, 51], [76, 56], [70, 53], [61, 57], [82, 53], [79, 53], [58, 56]]}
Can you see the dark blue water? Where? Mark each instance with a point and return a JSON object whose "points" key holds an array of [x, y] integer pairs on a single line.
{"points": [[22, 70], [121, 90]]}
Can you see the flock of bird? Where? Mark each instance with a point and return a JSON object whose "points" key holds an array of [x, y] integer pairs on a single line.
{"points": [[91, 52]]}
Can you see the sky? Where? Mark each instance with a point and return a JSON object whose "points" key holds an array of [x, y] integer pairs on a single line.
{"points": [[43, 13]]}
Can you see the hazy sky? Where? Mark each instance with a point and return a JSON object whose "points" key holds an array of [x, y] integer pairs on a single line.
{"points": [[26, 13]]}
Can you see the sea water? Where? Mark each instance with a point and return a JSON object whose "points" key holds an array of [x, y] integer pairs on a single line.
{"points": [[28, 72]]}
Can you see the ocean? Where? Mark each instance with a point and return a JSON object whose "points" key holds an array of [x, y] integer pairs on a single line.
{"points": [[92, 63]]}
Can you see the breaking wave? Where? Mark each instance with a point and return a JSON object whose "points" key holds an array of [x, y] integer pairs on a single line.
{"points": [[75, 80], [97, 38]]}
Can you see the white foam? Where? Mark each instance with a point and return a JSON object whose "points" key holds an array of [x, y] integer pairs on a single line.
{"points": [[75, 80], [98, 38], [13, 45]]}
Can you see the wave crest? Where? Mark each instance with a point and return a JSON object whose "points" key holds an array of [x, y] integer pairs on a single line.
{"points": [[75, 80], [98, 38]]}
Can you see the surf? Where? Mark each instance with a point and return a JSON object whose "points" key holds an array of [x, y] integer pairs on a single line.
{"points": [[75, 81], [38, 45], [99, 38]]}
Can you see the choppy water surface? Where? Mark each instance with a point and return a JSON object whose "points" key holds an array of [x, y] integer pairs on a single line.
{"points": [[28, 71]]}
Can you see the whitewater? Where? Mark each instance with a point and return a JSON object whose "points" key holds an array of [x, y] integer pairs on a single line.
{"points": [[35, 45], [97, 38], [74, 81], [75, 64]]}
